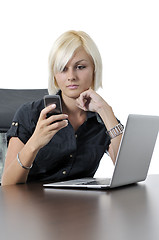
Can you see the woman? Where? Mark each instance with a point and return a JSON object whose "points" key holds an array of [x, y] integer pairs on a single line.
{"points": [[69, 145]]}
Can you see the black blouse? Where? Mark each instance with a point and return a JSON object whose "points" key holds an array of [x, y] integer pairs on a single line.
{"points": [[69, 154]]}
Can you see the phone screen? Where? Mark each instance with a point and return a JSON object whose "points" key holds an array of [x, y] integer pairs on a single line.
{"points": [[53, 99]]}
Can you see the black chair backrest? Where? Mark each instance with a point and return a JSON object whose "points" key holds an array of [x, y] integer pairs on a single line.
{"points": [[10, 101]]}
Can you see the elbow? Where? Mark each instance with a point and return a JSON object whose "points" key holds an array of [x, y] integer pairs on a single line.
{"points": [[5, 181]]}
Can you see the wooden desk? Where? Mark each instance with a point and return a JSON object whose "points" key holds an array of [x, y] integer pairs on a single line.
{"points": [[127, 213]]}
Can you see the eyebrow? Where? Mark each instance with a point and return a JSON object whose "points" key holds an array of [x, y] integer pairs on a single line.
{"points": [[81, 61]]}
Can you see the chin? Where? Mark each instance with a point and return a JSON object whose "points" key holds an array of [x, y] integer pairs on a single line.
{"points": [[74, 95]]}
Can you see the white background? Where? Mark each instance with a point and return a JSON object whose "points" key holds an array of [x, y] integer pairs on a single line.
{"points": [[126, 33]]}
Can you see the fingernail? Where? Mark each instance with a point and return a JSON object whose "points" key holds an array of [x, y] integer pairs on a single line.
{"points": [[53, 105]]}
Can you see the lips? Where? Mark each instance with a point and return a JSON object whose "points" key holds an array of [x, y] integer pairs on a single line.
{"points": [[73, 86]]}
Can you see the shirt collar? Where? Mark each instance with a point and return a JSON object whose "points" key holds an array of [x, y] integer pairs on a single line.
{"points": [[94, 114]]}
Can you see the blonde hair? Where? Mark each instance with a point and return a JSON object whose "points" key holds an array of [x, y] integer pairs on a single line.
{"points": [[62, 51]]}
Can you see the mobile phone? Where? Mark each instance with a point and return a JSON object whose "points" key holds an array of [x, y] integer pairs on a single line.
{"points": [[53, 99]]}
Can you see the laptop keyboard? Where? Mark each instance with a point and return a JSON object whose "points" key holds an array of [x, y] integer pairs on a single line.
{"points": [[105, 181]]}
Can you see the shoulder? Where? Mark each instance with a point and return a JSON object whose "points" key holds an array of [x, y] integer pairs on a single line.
{"points": [[28, 114], [25, 120], [30, 110]]}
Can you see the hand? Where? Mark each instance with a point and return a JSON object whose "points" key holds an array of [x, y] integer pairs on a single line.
{"points": [[90, 101], [46, 128]]}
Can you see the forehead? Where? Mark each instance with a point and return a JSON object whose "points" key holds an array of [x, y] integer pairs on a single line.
{"points": [[80, 54]]}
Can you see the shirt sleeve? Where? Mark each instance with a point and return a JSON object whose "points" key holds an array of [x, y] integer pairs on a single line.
{"points": [[20, 126]]}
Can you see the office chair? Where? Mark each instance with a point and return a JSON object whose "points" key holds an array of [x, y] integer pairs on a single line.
{"points": [[10, 101]]}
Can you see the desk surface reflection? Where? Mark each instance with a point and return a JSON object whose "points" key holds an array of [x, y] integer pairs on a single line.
{"points": [[33, 212]]}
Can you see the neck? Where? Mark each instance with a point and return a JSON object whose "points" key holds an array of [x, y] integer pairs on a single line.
{"points": [[76, 116], [69, 106]]}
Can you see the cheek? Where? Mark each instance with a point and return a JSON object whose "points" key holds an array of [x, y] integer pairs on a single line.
{"points": [[59, 80], [91, 81], [89, 78]]}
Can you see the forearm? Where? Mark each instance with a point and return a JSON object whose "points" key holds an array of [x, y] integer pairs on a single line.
{"points": [[113, 148], [14, 173], [110, 121], [91, 101]]}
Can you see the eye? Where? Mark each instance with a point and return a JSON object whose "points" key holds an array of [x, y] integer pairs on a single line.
{"points": [[80, 67], [65, 69]]}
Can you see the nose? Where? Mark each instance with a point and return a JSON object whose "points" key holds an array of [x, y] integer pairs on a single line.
{"points": [[71, 75]]}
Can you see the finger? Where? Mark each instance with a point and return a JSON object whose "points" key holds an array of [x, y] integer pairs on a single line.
{"points": [[80, 105], [46, 110], [54, 118], [84, 96], [81, 101], [58, 125]]}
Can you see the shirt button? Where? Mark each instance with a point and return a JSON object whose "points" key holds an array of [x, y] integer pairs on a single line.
{"points": [[13, 123], [75, 135], [64, 172], [71, 155]]}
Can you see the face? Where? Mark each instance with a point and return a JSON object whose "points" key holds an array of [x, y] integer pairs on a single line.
{"points": [[77, 76]]}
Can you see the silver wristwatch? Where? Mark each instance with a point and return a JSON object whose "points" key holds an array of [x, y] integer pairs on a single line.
{"points": [[116, 131]]}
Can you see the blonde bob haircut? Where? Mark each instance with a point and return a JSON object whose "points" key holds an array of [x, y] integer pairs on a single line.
{"points": [[63, 50]]}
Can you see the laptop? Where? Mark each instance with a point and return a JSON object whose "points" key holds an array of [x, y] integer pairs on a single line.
{"points": [[133, 158]]}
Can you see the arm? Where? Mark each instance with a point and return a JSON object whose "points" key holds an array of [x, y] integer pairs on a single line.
{"points": [[45, 129], [110, 121], [91, 101]]}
